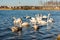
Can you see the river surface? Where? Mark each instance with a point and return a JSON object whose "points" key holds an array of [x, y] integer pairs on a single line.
{"points": [[6, 22]]}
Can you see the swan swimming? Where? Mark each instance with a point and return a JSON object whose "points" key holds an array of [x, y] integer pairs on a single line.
{"points": [[17, 21], [36, 21], [18, 24], [39, 19], [33, 20], [16, 29]]}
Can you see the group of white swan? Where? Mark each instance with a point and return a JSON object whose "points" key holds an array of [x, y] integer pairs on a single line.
{"points": [[18, 24], [38, 19]]}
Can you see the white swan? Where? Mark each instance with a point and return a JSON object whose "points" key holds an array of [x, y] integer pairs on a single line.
{"points": [[51, 20], [40, 21], [17, 21], [16, 29], [33, 20]]}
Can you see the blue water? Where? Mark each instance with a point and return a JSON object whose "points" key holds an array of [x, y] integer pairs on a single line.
{"points": [[6, 22]]}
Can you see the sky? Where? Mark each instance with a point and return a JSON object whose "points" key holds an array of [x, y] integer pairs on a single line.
{"points": [[22, 2]]}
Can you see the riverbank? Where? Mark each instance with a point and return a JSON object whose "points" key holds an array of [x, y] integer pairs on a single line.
{"points": [[5, 9], [31, 8]]}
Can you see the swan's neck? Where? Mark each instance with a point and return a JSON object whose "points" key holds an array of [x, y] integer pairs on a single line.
{"points": [[48, 17], [20, 24]]}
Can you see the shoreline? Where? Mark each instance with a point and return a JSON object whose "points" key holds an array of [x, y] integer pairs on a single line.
{"points": [[29, 9]]}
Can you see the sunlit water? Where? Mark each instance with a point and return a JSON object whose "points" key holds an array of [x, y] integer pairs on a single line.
{"points": [[6, 22]]}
